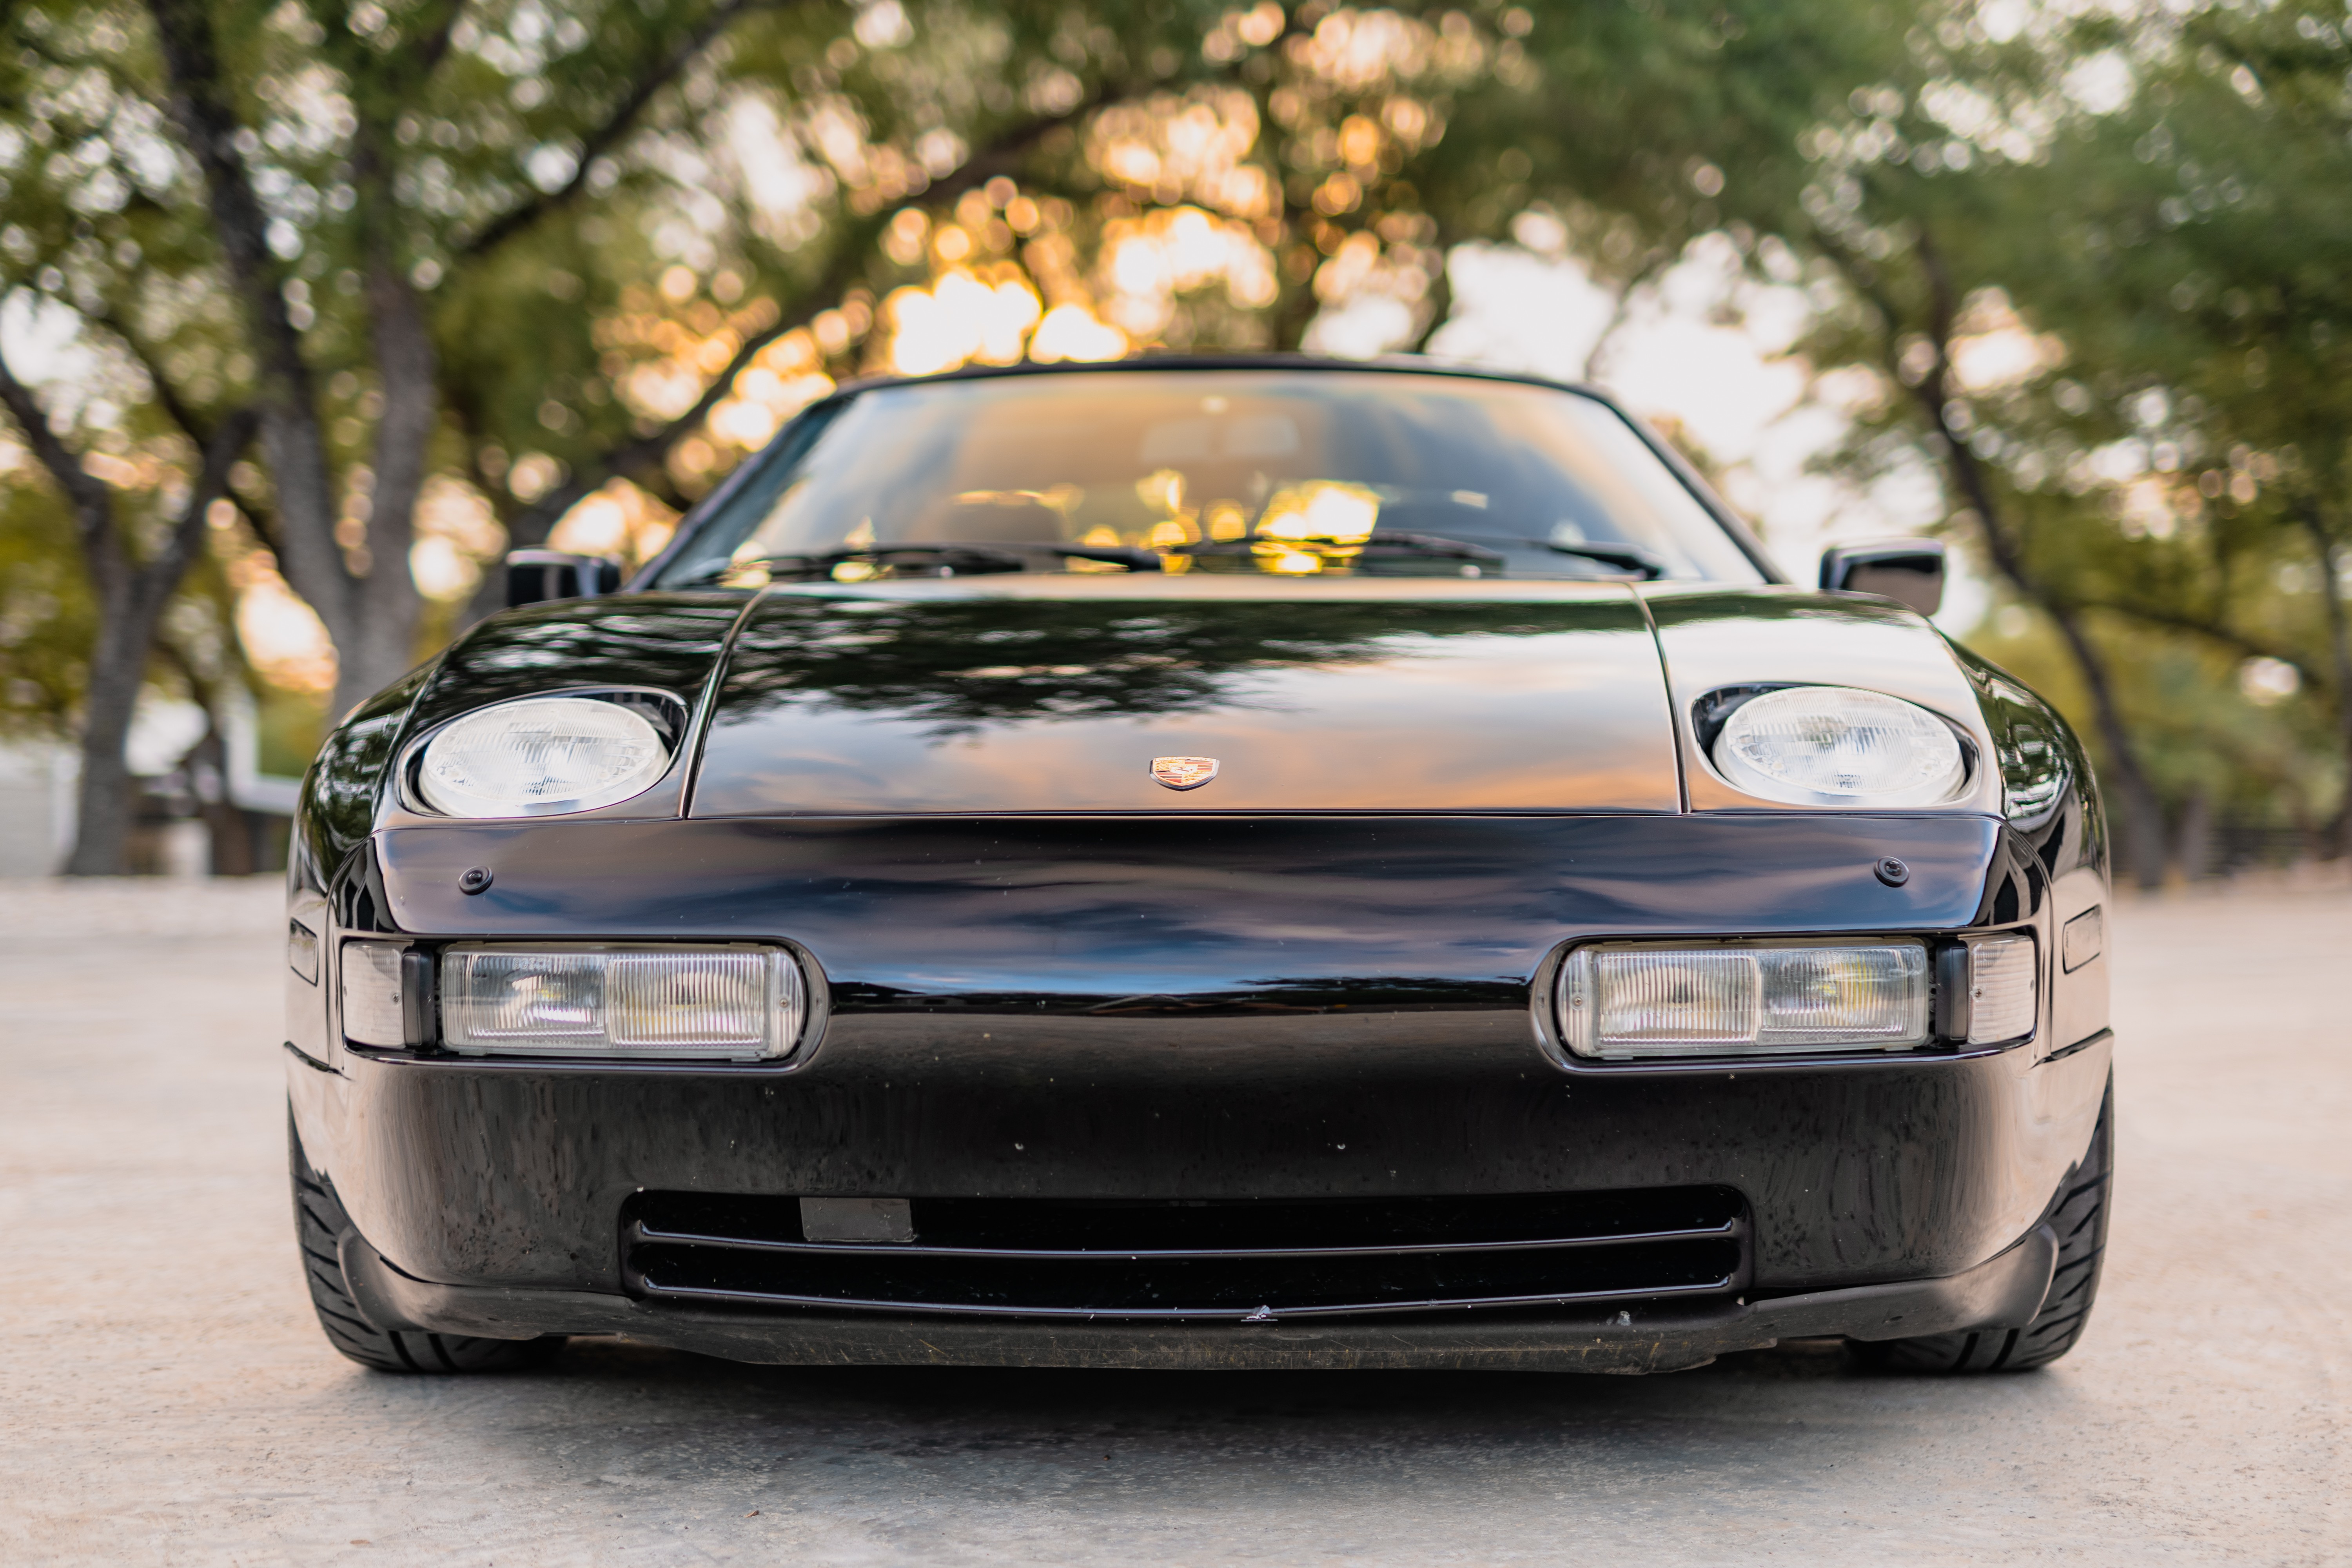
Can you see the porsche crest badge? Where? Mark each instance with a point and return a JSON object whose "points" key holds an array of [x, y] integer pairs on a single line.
{"points": [[1183, 772]]}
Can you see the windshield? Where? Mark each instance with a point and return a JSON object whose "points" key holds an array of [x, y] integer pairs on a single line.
{"points": [[1297, 473]]}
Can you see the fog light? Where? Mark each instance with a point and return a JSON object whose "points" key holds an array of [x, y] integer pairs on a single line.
{"points": [[725, 1003], [1635, 1002]]}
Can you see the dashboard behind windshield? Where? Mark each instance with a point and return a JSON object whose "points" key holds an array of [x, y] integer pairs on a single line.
{"points": [[1293, 473]]}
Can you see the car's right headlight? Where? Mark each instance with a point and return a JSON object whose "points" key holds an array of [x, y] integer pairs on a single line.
{"points": [[622, 1001], [1635, 1001], [540, 755], [1837, 745]]}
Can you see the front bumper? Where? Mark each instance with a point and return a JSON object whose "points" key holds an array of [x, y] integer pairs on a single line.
{"points": [[1308, 1010], [2003, 1292]]}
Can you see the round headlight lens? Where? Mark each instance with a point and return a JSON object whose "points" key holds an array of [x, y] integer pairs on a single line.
{"points": [[540, 755], [1833, 745]]}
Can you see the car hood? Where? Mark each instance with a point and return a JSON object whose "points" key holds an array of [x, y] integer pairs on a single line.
{"points": [[1050, 694]]}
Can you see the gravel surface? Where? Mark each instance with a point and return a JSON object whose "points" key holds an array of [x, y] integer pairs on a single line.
{"points": [[167, 1398]]}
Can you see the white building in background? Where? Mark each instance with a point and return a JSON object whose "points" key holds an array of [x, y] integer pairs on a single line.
{"points": [[38, 781], [37, 806]]}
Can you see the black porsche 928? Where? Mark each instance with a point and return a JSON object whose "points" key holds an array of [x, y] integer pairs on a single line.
{"points": [[1207, 863]]}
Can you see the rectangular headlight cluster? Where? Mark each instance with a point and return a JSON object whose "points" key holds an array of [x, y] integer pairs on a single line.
{"points": [[737, 1003], [1645, 1001], [1633, 1001]]}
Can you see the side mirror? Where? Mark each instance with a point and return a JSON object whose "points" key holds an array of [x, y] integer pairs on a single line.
{"points": [[535, 575], [1910, 571]]}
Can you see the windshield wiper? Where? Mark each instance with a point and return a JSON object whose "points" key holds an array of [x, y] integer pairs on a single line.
{"points": [[1647, 564], [974, 560], [1379, 546], [1644, 563]]}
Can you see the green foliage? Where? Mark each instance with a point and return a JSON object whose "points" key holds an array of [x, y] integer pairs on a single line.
{"points": [[47, 619], [2136, 214], [2266, 764], [618, 214]]}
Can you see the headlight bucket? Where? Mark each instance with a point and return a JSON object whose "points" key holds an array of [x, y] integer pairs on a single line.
{"points": [[1838, 746], [546, 755]]}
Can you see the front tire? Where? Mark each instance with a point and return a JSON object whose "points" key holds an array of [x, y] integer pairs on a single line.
{"points": [[320, 1225], [2080, 1221]]}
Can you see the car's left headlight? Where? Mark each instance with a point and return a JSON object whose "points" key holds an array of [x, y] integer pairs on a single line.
{"points": [[1837, 745], [539, 756]]}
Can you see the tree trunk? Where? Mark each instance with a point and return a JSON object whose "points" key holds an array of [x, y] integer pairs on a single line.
{"points": [[377, 643], [2339, 647], [293, 443], [2144, 847], [2193, 858], [131, 599], [2143, 835], [131, 605], [226, 824], [103, 799]]}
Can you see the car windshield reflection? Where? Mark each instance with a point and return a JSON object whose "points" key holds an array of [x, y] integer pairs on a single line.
{"points": [[1288, 473]]}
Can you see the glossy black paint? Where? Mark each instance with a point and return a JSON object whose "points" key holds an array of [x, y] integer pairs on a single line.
{"points": [[987, 1036], [976, 700], [1044, 976], [667, 643], [1170, 916]]}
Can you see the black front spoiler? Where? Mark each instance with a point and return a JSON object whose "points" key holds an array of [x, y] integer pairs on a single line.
{"points": [[2003, 1292]]}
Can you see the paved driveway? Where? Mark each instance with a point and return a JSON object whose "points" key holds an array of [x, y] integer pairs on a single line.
{"points": [[165, 1397]]}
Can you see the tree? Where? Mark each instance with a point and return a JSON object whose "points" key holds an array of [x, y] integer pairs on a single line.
{"points": [[480, 250], [2200, 271], [2120, 211], [130, 595]]}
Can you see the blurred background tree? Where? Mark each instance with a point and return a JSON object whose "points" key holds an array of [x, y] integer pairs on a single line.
{"points": [[490, 274]]}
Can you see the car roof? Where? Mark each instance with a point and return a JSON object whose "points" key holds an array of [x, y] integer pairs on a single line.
{"points": [[1413, 364]]}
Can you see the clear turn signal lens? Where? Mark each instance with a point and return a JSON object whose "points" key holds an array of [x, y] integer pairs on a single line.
{"points": [[1630, 1002], [1997, 991], [375, 1000], [731, 1004]]}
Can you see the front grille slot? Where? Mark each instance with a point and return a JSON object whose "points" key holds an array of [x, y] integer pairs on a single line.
{"points": [[1220, 1259]]}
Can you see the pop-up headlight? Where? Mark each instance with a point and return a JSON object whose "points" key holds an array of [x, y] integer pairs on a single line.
{"points": [[539, 756], [1835, 745]]}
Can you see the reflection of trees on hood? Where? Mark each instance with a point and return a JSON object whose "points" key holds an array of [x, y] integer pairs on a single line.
{"points": [[968, 663]]}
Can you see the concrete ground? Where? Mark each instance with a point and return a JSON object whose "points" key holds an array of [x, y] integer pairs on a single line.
{"points": [[165, 1397]]}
